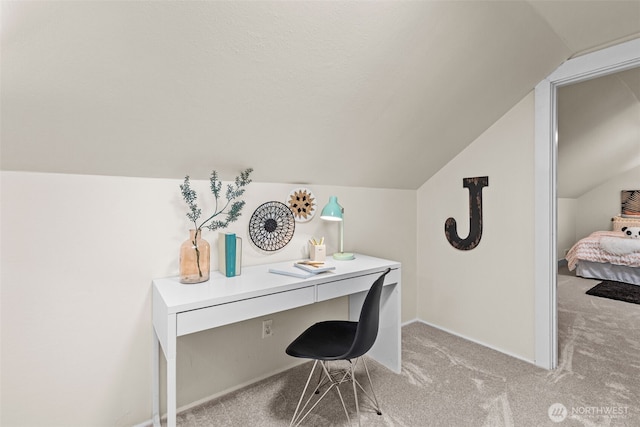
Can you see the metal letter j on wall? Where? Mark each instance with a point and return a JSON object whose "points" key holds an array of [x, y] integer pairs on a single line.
{"points": [[475, 216]]}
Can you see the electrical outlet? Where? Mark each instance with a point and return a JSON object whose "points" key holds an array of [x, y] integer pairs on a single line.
{"points": [[267, 328]]}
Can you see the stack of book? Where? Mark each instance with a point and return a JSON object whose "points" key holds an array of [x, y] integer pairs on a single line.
{"points": [[229, 254], [303, 269]]}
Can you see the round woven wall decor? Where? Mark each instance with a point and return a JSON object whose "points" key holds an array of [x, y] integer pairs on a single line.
{"points": [[271, 226]]}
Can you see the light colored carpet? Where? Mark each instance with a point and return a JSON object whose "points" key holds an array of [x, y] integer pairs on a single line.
{"points": [[448, 381]]}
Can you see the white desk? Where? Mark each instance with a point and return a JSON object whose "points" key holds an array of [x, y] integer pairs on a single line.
{"points": [[180, 309]]}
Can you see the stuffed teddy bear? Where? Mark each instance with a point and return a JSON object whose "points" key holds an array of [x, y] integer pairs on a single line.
{"points": [[631, 232]]}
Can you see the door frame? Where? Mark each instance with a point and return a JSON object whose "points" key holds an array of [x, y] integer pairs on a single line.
{"points": [[617, 58]]}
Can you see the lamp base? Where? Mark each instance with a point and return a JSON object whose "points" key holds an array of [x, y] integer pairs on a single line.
{"points": [[343, 256]]}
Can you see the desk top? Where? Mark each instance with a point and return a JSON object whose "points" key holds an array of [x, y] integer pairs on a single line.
{"points": [[256, 281]]}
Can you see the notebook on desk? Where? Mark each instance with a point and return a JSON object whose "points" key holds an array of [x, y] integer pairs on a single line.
{"points": [[302, 271]]}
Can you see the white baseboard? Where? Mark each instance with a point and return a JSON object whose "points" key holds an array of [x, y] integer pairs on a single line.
{"points": [[408, 322], [508, 353], [149, 422]]}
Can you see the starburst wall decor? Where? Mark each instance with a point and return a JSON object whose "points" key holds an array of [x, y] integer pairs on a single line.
{"points": [[302, 203]]}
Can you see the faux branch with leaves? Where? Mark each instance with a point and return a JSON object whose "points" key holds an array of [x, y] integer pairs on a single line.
{"points": [[234, 191]]}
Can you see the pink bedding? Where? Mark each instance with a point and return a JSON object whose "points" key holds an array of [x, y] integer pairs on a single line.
{"points": [[589, 249]]}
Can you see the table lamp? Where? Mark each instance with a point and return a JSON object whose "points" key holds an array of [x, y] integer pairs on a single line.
{"points": [[334, 212]]}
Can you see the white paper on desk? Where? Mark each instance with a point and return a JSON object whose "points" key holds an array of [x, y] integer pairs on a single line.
{"points": [[313, 269], [291, 271]]}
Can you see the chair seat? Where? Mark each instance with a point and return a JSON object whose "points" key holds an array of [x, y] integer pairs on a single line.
{"points": [[329, 340]]}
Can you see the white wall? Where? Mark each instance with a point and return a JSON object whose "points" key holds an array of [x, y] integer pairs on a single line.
{"points": [[577, 218], [487, 293], [78, 256], [566, 236], [596, 207]]}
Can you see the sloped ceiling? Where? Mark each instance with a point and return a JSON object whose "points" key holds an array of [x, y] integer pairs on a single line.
{"points": [[373, 94], [598, 131]]}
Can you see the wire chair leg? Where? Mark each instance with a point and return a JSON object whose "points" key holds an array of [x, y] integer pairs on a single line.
{"points": [[334, 380], [320, 383], [302, 413], [355, 390], [375, 399], [303, 393], [336, 384]]}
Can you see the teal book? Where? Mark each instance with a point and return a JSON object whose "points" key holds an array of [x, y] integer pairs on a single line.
{"points": [[229, 254]]}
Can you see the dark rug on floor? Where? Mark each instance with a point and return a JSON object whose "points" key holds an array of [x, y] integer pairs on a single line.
{"points": [[616, 290]]}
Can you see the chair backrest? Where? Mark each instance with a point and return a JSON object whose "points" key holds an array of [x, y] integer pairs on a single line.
{"points": [[367, 329]]}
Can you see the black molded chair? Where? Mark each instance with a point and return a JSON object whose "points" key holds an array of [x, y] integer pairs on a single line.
{"points": [[339, 340]]}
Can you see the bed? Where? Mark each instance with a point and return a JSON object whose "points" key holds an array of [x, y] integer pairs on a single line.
{"points": [[594, 258]]}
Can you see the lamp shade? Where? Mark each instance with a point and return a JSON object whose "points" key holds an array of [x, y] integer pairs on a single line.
{"points": [[332, 211]]}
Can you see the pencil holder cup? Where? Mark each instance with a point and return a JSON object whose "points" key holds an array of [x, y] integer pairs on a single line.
{"points": [[317, 252]]}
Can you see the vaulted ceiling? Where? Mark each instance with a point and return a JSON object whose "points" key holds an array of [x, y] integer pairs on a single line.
{"points": [[371, 93], [598, 131]]}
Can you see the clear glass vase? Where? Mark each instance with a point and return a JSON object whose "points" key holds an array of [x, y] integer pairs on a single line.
{"points": [[195, 257]]}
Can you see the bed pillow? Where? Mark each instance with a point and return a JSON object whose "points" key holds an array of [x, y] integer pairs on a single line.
{"points": [[618, 222]]}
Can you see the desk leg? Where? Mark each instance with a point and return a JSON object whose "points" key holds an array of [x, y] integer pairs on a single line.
{"points": [[387, 348], [171, 391], [170, 356], [171, 371], [155, 375]]}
